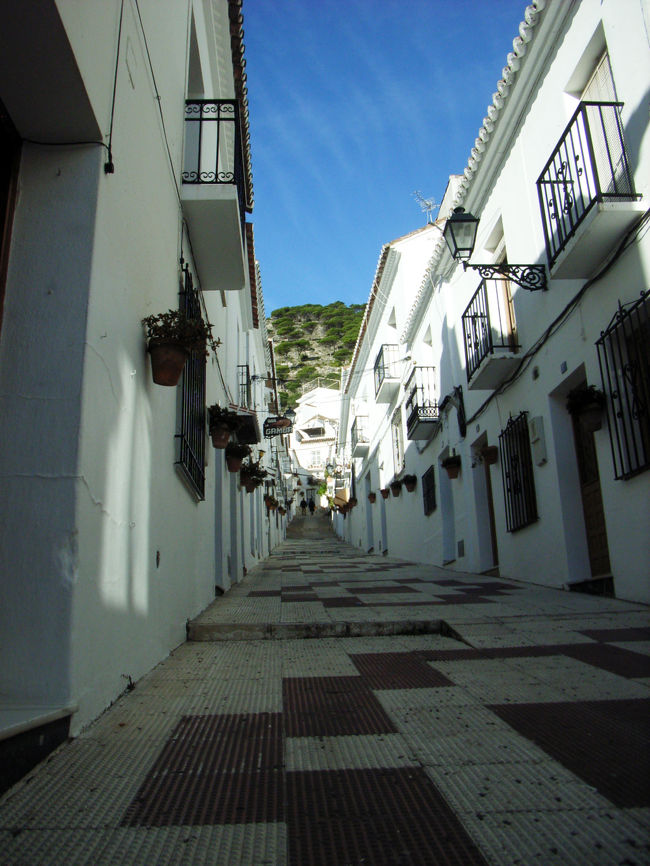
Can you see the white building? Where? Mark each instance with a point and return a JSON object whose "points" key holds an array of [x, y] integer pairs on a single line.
{"points": [[560, 178], [119, 519], [313, 439]]}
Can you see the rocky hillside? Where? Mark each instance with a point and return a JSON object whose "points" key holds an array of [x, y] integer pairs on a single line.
{"points": [[312, 342]]}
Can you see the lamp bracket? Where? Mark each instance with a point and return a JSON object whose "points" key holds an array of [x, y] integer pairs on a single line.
{"points": [[531, 277]]}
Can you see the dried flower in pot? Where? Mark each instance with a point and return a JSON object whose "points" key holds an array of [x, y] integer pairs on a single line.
{"points": [[385, 492], [235, 454], [452, 465], [223, 423], [395, 487], [587, 404], [410, 482], [171, 338], [372, 497]]}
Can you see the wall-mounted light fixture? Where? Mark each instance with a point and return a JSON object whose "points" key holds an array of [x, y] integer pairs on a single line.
{"points": [[460, 235]]}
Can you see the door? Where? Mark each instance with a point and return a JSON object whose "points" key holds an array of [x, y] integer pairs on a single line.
{"points": [[592, 500]]}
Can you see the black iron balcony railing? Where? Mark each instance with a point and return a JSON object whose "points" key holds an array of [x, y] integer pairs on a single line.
{"points": [[624, 358], [589, 165], [385, 365], [213, 147], [244, 385], [421, 404], [488, 324], [359, 432]]}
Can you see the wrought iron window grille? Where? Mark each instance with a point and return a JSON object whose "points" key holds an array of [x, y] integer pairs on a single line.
{"points": [[624, 360], [588, 165], [429, 491], [213, 146], [488, 324], [421, 403], [359, 431], [517, 474], [191, 436], [244, 386], [385, 365]]}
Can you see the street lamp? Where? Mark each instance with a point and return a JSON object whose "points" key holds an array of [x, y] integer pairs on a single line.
{"points": [[460, 235], [290, 414]]}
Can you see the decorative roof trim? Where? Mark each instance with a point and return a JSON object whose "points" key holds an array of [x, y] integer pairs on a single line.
{"points": [[241, 92], [509, 75]]}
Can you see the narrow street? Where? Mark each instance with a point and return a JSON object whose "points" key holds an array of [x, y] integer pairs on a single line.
{"points": [[337, 708]]}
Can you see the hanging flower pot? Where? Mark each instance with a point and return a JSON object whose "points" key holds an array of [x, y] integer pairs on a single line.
{"points": [[223, 423], [452, 465], [396, 487], [385, 492], [352, 501], [167, 363], [410, 482], [235, 454], [490, 454], [372, 497], [171, 337]]}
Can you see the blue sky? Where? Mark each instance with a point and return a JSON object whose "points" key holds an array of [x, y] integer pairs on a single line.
{"points": [[353, 106]]}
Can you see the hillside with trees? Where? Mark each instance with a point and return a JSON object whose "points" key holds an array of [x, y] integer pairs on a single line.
{"points": [[312, 342]]}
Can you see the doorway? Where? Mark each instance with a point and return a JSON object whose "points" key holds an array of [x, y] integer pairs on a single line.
{"points": [[484, 504], [592, 500], [370, 544]]}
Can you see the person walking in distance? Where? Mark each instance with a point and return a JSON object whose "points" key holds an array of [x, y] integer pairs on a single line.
{"points": [[312, 507], [303, 506]]}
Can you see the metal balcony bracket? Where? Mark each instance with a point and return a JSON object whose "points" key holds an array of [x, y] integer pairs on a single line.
{"points": [[530, 277]]}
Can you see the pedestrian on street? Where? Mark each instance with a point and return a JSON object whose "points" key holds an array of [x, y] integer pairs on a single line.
{"points": [[312, 507], [303, 506]]}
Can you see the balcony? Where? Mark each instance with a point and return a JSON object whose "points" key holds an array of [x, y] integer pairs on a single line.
{"points": [[359, 436], [248, 432], [422, 411], [489, 336], [386, 373], [586, 192], [213, 192]]}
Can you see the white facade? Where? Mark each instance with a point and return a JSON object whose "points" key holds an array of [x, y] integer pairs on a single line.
{"points": [[313, 438], [543, 523], [106, 550]]}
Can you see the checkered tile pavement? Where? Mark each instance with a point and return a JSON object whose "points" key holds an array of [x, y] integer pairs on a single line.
{"points": [[523, 739]]}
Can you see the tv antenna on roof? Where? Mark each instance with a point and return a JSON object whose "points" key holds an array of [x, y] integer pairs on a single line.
{"points": [[427, 205]]}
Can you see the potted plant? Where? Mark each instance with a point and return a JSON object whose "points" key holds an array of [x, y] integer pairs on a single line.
{"points": [[223, 423], [372, 497], [410, 482], [384, 492], [490, 454], [587, 404], [171, 337], [252, 475], [452, 465], [352, 501], [271, 502], [235, 454], [395, 487]]}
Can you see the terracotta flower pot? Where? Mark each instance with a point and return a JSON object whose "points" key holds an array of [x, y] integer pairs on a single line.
{"points": [[591, 417], [220, 435], [167, 362], [385, 492], [233, 463], [410, 485], [452, 467], [372, 497], [395, 489]]}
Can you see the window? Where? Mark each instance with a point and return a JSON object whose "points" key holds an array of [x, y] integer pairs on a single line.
{"points": [[429, 490], [191, 438], [624, 358], [517, 473], [398, 441]]}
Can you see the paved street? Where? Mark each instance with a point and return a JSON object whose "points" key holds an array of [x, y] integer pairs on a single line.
{"points": [[337, 708]]}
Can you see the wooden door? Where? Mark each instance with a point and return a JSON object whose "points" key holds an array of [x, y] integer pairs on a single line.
{"points": [[592, 501]]}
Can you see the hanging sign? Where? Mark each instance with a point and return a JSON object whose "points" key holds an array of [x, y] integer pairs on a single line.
{"points": [[276, 426]]}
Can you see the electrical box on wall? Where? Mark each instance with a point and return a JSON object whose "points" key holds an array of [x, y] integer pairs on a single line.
{"points": [[538, 440]]}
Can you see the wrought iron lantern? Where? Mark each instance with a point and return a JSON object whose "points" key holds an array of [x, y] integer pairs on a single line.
{"points": [[460, 236]]}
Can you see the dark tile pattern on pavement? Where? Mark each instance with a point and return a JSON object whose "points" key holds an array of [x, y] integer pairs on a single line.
{"points": [[387, 817], [605, 743], [397, 671]]}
